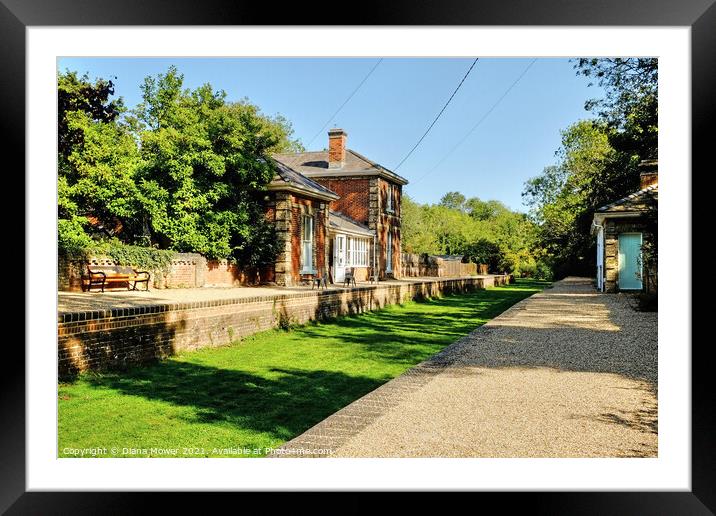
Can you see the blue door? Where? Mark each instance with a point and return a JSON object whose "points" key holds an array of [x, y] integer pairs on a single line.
{"points": [[630, 261]]}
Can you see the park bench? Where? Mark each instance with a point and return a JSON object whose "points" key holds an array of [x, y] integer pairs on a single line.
{"points": [[106, 275]]}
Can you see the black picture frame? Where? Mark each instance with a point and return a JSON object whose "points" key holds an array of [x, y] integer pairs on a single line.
{"points": [[700, 15]]}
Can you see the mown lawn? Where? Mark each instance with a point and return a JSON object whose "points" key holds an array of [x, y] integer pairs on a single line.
{"points": [[265, 389]]}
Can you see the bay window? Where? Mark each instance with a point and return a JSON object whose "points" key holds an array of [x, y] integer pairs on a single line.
{"points": [[357, 252]]}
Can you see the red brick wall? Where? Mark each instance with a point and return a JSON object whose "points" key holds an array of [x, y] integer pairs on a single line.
{"points": [[355, 203], [389, 221], [383, 246], [354, 192], [396, 195], [222, 273], [127, 336], [187, 270], [181, 275], [320, 227], [69, 275]]}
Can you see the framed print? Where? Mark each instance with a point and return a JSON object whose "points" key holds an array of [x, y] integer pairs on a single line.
{"points": [[451, 306]]}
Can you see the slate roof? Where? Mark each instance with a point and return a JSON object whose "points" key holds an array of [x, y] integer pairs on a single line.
{"points": [[641, 200], [315, 164], [288, 179], [339, 222]]}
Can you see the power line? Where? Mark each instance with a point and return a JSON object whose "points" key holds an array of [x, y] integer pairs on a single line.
{"points": [[345, 102], [487, 113], [437, 117]]}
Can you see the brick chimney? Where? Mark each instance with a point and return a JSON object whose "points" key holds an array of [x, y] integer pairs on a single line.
{"points": [[648, 172], [336, 148]]}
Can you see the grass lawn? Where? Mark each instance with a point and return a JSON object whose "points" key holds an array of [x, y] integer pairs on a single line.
{"points": [[267, 388]]}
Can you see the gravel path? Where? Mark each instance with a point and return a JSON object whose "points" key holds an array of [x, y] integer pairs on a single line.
{"points": [[565, 373]]}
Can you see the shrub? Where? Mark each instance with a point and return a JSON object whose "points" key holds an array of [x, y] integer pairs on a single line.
{"points": [[148, 258]]}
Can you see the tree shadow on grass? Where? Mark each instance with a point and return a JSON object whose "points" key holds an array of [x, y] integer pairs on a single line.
{"points": [[411, 334], [283, 403]]}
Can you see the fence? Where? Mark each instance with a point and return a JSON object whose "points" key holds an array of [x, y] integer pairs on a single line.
{"points": [[424, 265]]}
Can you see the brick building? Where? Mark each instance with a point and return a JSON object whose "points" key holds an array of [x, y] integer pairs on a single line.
{"points": [[335, 210], [622, 228]]}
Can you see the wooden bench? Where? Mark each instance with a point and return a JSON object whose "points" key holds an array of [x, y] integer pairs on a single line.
{"points": [[106, 275]]}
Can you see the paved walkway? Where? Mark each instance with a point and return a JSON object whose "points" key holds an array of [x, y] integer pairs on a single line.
{"points": [[565, 373]]}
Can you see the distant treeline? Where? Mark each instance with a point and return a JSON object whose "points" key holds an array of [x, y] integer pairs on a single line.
{"points": [[596, 164], [482, 231]]}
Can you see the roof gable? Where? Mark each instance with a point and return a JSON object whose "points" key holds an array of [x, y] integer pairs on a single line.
{"points": [[640, 201], [288, 179], [315, 164]]}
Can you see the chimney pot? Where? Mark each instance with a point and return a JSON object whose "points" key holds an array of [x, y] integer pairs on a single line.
{"points": [[649, 174], [336, 148]]}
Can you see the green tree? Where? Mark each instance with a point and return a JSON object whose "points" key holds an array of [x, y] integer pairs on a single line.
{"points": [[185, 170], [484, 210], [597, 161], [482, 231], [564, 197], [630, 106], [79, 95], [453, 200], [205, 166], [97, 157], [416, 234]]}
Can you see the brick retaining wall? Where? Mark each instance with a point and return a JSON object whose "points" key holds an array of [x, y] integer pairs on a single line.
{"points": [[110, 339]]}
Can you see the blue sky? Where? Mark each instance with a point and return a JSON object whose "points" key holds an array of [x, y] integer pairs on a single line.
{"points": [[394, 107]]}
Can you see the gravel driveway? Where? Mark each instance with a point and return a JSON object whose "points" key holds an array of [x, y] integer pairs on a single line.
{"points": [[567, 372]]}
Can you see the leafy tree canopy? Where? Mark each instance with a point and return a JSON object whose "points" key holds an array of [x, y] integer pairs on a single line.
{"points": [[78, 94], [185, 170], [482, 231], [597, 160], [453, 200]]}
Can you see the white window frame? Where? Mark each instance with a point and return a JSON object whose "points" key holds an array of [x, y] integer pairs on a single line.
{"points": [[356, 251], [389, 199], [307, 245]]}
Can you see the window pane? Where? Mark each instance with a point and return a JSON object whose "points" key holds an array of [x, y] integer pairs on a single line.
{"points": [[307, 228], [307, 243], [389, 253]]}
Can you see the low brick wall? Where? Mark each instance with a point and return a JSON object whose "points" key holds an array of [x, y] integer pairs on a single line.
{"points": [[187, 270], [120, 337]]}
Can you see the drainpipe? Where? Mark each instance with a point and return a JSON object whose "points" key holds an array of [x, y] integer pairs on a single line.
{"points": [[601, 272]]}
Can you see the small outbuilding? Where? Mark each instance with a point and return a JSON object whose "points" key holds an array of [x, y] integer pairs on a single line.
{"points": [[623, 229]]}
